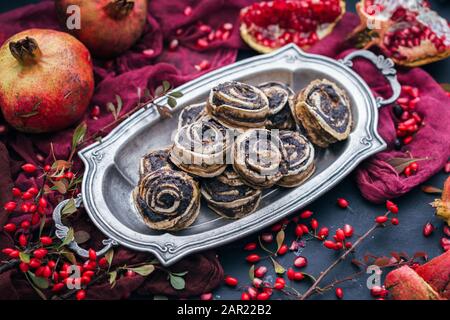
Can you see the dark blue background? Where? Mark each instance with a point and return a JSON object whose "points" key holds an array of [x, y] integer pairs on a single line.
{"points": [[415, 211]]}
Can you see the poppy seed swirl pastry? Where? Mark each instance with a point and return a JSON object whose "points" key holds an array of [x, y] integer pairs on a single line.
{"points": [[238, 105], [168, 199], [200, 148], [324, 111], [281, 101], [228, 196], [154, 160], [259, 158], [300, 159], [191, 114]]}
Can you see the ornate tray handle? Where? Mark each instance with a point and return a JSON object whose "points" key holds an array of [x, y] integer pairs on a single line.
{"points": [[385, 65], [62, 230]]}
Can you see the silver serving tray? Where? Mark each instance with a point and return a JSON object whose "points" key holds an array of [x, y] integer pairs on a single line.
{"points": [[111, 166]]}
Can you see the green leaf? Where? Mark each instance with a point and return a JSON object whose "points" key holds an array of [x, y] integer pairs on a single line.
{"points": [[119, 105], [144, 270], [431, 189], [69, 256], [176, 94], [446, 86], [159, 91], [82, 236], [39, 282], [69, 238], [69, 208], [31, 279], [112, 278], [109, 256], [280, 239], [176, 282], [60, 186], [112, 108], [42, 225], [24, 257], [251, 272], [172, 102], [78, 135], [166, 85], [61, 165], [399, 164], [180, 274], [279, 269]]}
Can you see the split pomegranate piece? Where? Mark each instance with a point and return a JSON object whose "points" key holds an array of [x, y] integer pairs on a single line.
{"points": [[407, 31], [268, 25]]}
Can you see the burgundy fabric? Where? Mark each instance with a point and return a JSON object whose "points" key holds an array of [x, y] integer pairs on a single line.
{"points": [[376, 178]]}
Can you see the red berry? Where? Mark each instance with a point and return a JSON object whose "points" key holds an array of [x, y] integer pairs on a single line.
{"points": [[428, 229], [27, 196], [10, 206], [339, 293], [377, 291], [391, 206], [279, 284], [341, 202], [414, 166], [283, 249], [257, 283], [231, 281], [29, 168], [407, 171], [33, 190], [35, 219], [276, 227], [10, 227], [263, 296], [92, 255], [250, 246], [58, 287], [445, 244], [7, 251], [14, 254], [40, 253], [447, 231], [23, 240], [16, 192], [69, 175], [42, 203], [340, 235], [24, 267], [394, 221], [291, 274], [32, 208], [381, 219], [306, 214], [260, 271], [81, 295], [300, 262], [245, 296], [252, 258], [298, 276], [47, 168], [348, 245], [348, 230], [95, 112], [298, 231], [103, 263], [206, 296], [323, 233], [252, 292], [329, 244], [46, 241], [314, 224], [35, 263], [267, 237], [46, 272], [85, 279], [51, 264], [304, 227]]}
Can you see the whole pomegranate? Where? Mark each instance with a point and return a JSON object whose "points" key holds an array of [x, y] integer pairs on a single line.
{"points": [[408, 31], [46, 80], [268, 25], [108, 27]]}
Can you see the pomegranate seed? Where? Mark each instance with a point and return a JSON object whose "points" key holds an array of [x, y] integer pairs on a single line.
{"points": [[95, 112], [202, 43], [245, 296], [173, 44], [16, 192], [29, 168], [250, 246], [263, 296], [187, 11], [260, 271], [323, 233], [339, 293], [300, 262], [395, 221], [58, 287], [267, 237], [206, 296], [46, 241], [205, 28], [232, 282], [283, 249], [348, 230], [227, 26], [381, 219], [204, 64], [10, 206], [10, 227], [314, 224], [40, 253], [225, 36], [92, 255], [80, 295], [447, 167], [329, 244], [341, 202], [218, 34], [23, 240], [3, 129], [306, 214], [340, 235], [298, 231], [428, 229], [24, 267], [252, 258], [35, 263]]}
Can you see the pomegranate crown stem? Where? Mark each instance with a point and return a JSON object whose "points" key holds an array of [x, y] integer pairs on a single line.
{"points": [[119, 9], [26, 50]]}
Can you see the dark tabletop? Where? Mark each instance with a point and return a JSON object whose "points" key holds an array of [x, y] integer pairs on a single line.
{"points": [[415, 211]]}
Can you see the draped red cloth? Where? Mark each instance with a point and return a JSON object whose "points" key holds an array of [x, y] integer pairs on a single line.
{"points": [[133, 70]]}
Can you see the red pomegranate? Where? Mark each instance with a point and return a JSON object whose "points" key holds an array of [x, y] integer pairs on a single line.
{"points": [[46, 80], [408, 31], [268, 25], [108, 27]]}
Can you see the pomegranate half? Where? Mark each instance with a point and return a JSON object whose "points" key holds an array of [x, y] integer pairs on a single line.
{"points": [[108, 27], [408, 31], [268, 25], [46, 80]]}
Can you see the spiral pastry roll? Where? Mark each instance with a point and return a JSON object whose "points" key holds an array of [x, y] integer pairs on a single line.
{"points": [[259, 158], [281, 101], [168, 199], [229, 196], [154, 160], [324, 110], [300, 159], [238, 105], [191, 114], [201, 148]]}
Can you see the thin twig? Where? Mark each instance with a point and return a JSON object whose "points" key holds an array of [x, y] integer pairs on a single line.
{"points": [[8, 265]]}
